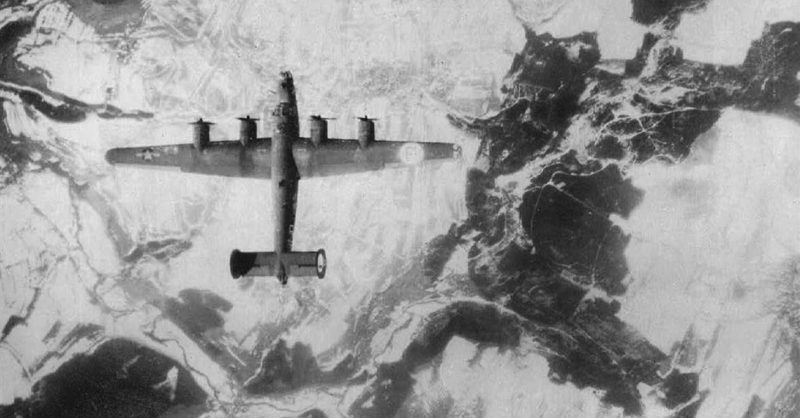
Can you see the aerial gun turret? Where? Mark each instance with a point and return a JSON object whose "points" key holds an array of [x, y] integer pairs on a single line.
{"points": [[366, 131], [200, 134]]}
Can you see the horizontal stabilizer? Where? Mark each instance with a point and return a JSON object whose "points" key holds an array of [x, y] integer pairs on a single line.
{"points": [[295, 264]]}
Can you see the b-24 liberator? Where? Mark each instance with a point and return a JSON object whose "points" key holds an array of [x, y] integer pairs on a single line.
{"points": [[285, 158]]}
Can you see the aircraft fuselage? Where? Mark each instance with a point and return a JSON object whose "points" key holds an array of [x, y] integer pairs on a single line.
{"points": [[284, 170]]}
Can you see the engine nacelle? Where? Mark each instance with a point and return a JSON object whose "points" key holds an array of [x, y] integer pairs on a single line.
{"points": [[247, 130], [318, 129], [201, 136], [366, 131]]}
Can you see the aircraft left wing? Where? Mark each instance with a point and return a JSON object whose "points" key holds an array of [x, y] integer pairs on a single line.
{"points": [[220, 158]]}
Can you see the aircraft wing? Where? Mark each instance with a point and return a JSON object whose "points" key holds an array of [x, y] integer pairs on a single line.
{"points": [[329, 158], [219, 158], [344, 156]]}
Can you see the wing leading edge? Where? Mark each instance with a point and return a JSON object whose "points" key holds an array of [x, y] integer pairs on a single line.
{"points": [[332, 157]]}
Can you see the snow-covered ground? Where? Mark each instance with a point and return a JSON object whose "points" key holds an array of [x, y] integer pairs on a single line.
{"points": [[72, 235], [711, 243], [710, 246]]}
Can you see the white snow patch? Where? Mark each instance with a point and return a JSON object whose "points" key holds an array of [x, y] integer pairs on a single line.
{"points": [[723, 32], [170, 383], [617, 35], [14, 383], [85, 63], [711, 228], [511, 383], [747, 360], [389, 343], [458, 264], [95, 241]]}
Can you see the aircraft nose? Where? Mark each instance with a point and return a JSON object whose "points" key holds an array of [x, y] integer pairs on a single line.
{"points": [[285, 87]]}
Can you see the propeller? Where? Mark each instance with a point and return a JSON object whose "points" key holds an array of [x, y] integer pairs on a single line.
{"points": [[365, 117], [200, 121], [318, 117], [247, 118]]}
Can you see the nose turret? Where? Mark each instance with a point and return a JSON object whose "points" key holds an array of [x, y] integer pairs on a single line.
{"points": [[286, 88]]}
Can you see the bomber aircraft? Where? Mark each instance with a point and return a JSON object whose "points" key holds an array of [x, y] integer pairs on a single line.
{"points": [[285, 158]]}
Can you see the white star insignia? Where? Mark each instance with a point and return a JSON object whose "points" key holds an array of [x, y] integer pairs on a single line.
{"points": [[147, 154]]}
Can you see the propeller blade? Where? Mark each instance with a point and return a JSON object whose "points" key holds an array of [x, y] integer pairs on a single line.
{"points": [[365, 117]]}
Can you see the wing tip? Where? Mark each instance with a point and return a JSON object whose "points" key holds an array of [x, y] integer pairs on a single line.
{"points": [[111, 156]]}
